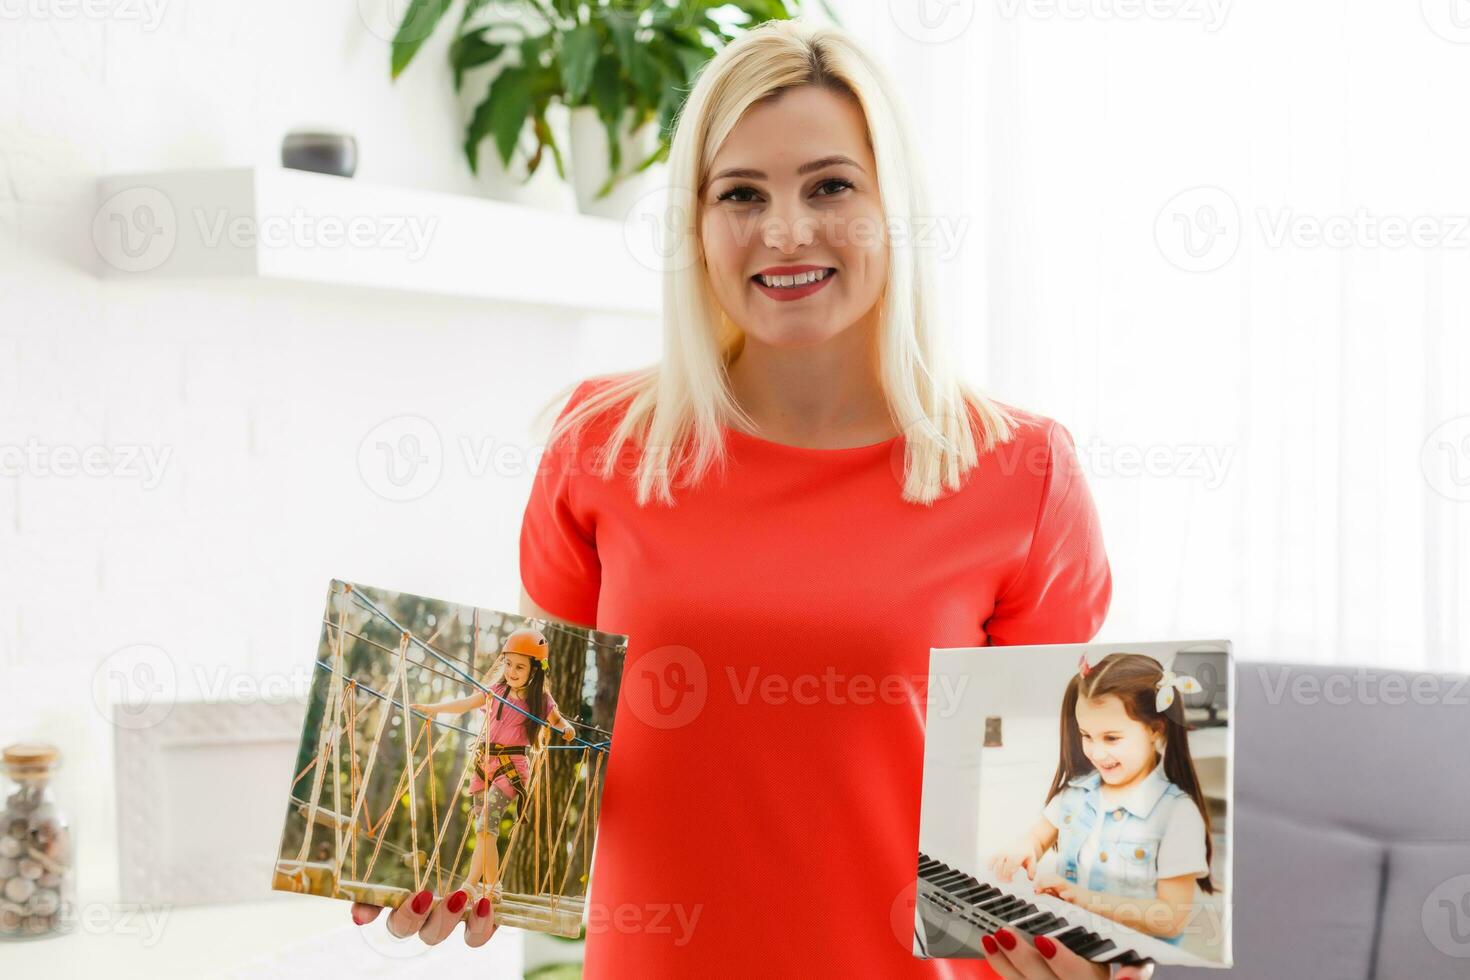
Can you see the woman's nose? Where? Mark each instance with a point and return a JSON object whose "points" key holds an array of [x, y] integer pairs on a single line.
{"points": [[788, 228]]}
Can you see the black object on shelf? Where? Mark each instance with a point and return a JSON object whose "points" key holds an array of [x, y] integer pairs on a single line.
{"points": [[320, 152]]}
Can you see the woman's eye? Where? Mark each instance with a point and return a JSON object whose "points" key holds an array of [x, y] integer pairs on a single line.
{"points": [[730, 194]]}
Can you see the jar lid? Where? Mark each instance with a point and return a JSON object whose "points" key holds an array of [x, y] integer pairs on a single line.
{"points": [[31, 754]]}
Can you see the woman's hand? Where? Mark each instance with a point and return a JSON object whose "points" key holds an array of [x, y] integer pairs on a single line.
{"points": [[434, 921], [569, 733], [1008, 862], [1016, 955]]}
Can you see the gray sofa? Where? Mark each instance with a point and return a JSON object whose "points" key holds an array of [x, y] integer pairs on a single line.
{"points": [[1352, 826]]}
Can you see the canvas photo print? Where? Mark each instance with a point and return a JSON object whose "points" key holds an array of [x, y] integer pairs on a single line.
{"points": [[447, 746], [1081, 792]]}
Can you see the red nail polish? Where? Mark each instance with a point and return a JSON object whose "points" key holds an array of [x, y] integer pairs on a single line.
{"points": [[456, 901], [1005, 938], [1045, 946], [355, 919], [422, 901], [482, 907], [989, 944]]}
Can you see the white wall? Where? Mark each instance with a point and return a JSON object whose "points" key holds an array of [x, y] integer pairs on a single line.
{"points": [[256, 396]]}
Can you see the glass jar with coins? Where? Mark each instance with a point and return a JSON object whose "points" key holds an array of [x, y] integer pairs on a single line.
{"points": [[37, 879]]}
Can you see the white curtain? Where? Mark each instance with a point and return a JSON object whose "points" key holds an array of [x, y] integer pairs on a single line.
{"points": [[1228, 246]]}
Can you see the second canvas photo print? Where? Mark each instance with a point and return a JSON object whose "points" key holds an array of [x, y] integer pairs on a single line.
{"points": [[1082, 793]]}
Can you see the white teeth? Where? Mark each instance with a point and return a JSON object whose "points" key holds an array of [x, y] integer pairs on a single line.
{"points": [[802, 279]]}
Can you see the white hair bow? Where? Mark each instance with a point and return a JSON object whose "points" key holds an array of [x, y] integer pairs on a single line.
{"points": [[1166, 686]]}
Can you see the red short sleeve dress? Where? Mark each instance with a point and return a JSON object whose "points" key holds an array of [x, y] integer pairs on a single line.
{"points": [[760, 813]]}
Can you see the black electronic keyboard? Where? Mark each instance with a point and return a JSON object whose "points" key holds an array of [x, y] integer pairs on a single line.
{"points": [[956, 908]]}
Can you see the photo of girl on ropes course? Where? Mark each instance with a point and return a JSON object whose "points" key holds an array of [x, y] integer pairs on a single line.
{"points": [[448, 747]]}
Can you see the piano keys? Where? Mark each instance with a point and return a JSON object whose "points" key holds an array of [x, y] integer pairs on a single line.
{"points": [[956, 908]]}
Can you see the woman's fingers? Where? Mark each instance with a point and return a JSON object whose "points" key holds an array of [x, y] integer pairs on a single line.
{"points": [[1037, 958], [480, 925], [363, 913], [409, 917], [1142, 971], [444, 918]]}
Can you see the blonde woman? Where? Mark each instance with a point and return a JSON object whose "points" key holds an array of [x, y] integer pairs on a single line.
{"points": [[784, 514]]}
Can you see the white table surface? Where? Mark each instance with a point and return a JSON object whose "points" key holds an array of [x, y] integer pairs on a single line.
{"points": [[288, 936]]}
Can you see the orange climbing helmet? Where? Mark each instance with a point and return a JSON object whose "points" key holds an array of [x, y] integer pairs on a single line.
{"points": [[529, 642]]}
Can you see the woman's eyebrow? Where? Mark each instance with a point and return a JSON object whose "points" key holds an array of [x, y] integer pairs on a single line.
{"points": [[835, 160]]}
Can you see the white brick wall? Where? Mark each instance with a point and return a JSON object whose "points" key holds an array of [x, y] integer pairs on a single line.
{"points": [[259, 394]]}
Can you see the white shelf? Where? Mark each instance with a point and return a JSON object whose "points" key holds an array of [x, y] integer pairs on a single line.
{"points": [[269, 223]]}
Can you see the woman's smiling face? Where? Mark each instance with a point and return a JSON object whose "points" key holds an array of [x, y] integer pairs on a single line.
{"points": [[778, 211], [1121, 747]]}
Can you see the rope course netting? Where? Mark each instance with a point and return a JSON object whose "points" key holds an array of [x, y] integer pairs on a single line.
{"points": [[419, 834]]}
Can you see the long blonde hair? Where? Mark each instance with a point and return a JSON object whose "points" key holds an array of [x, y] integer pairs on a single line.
{"points": [[674, 410]]}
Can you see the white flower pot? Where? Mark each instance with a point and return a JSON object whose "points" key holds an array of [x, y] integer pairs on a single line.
{"points": [[590, 163]]}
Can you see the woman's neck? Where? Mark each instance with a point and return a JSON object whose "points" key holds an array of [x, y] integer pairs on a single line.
{"points": [[827, 396]]}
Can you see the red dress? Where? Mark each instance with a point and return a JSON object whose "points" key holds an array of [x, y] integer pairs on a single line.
{"points": [[760, 813]]}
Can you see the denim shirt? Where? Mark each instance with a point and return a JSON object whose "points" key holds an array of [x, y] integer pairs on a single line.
{"points": [[1128, 846]]}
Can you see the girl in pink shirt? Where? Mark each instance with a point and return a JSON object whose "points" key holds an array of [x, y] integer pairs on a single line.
{"points": [[502, 769]]}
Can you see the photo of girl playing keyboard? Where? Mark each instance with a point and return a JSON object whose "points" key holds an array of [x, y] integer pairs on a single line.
{"points": [[1125, 811]]}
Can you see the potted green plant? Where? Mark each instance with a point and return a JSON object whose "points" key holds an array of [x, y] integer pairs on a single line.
{"points": [[621, 67]]}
